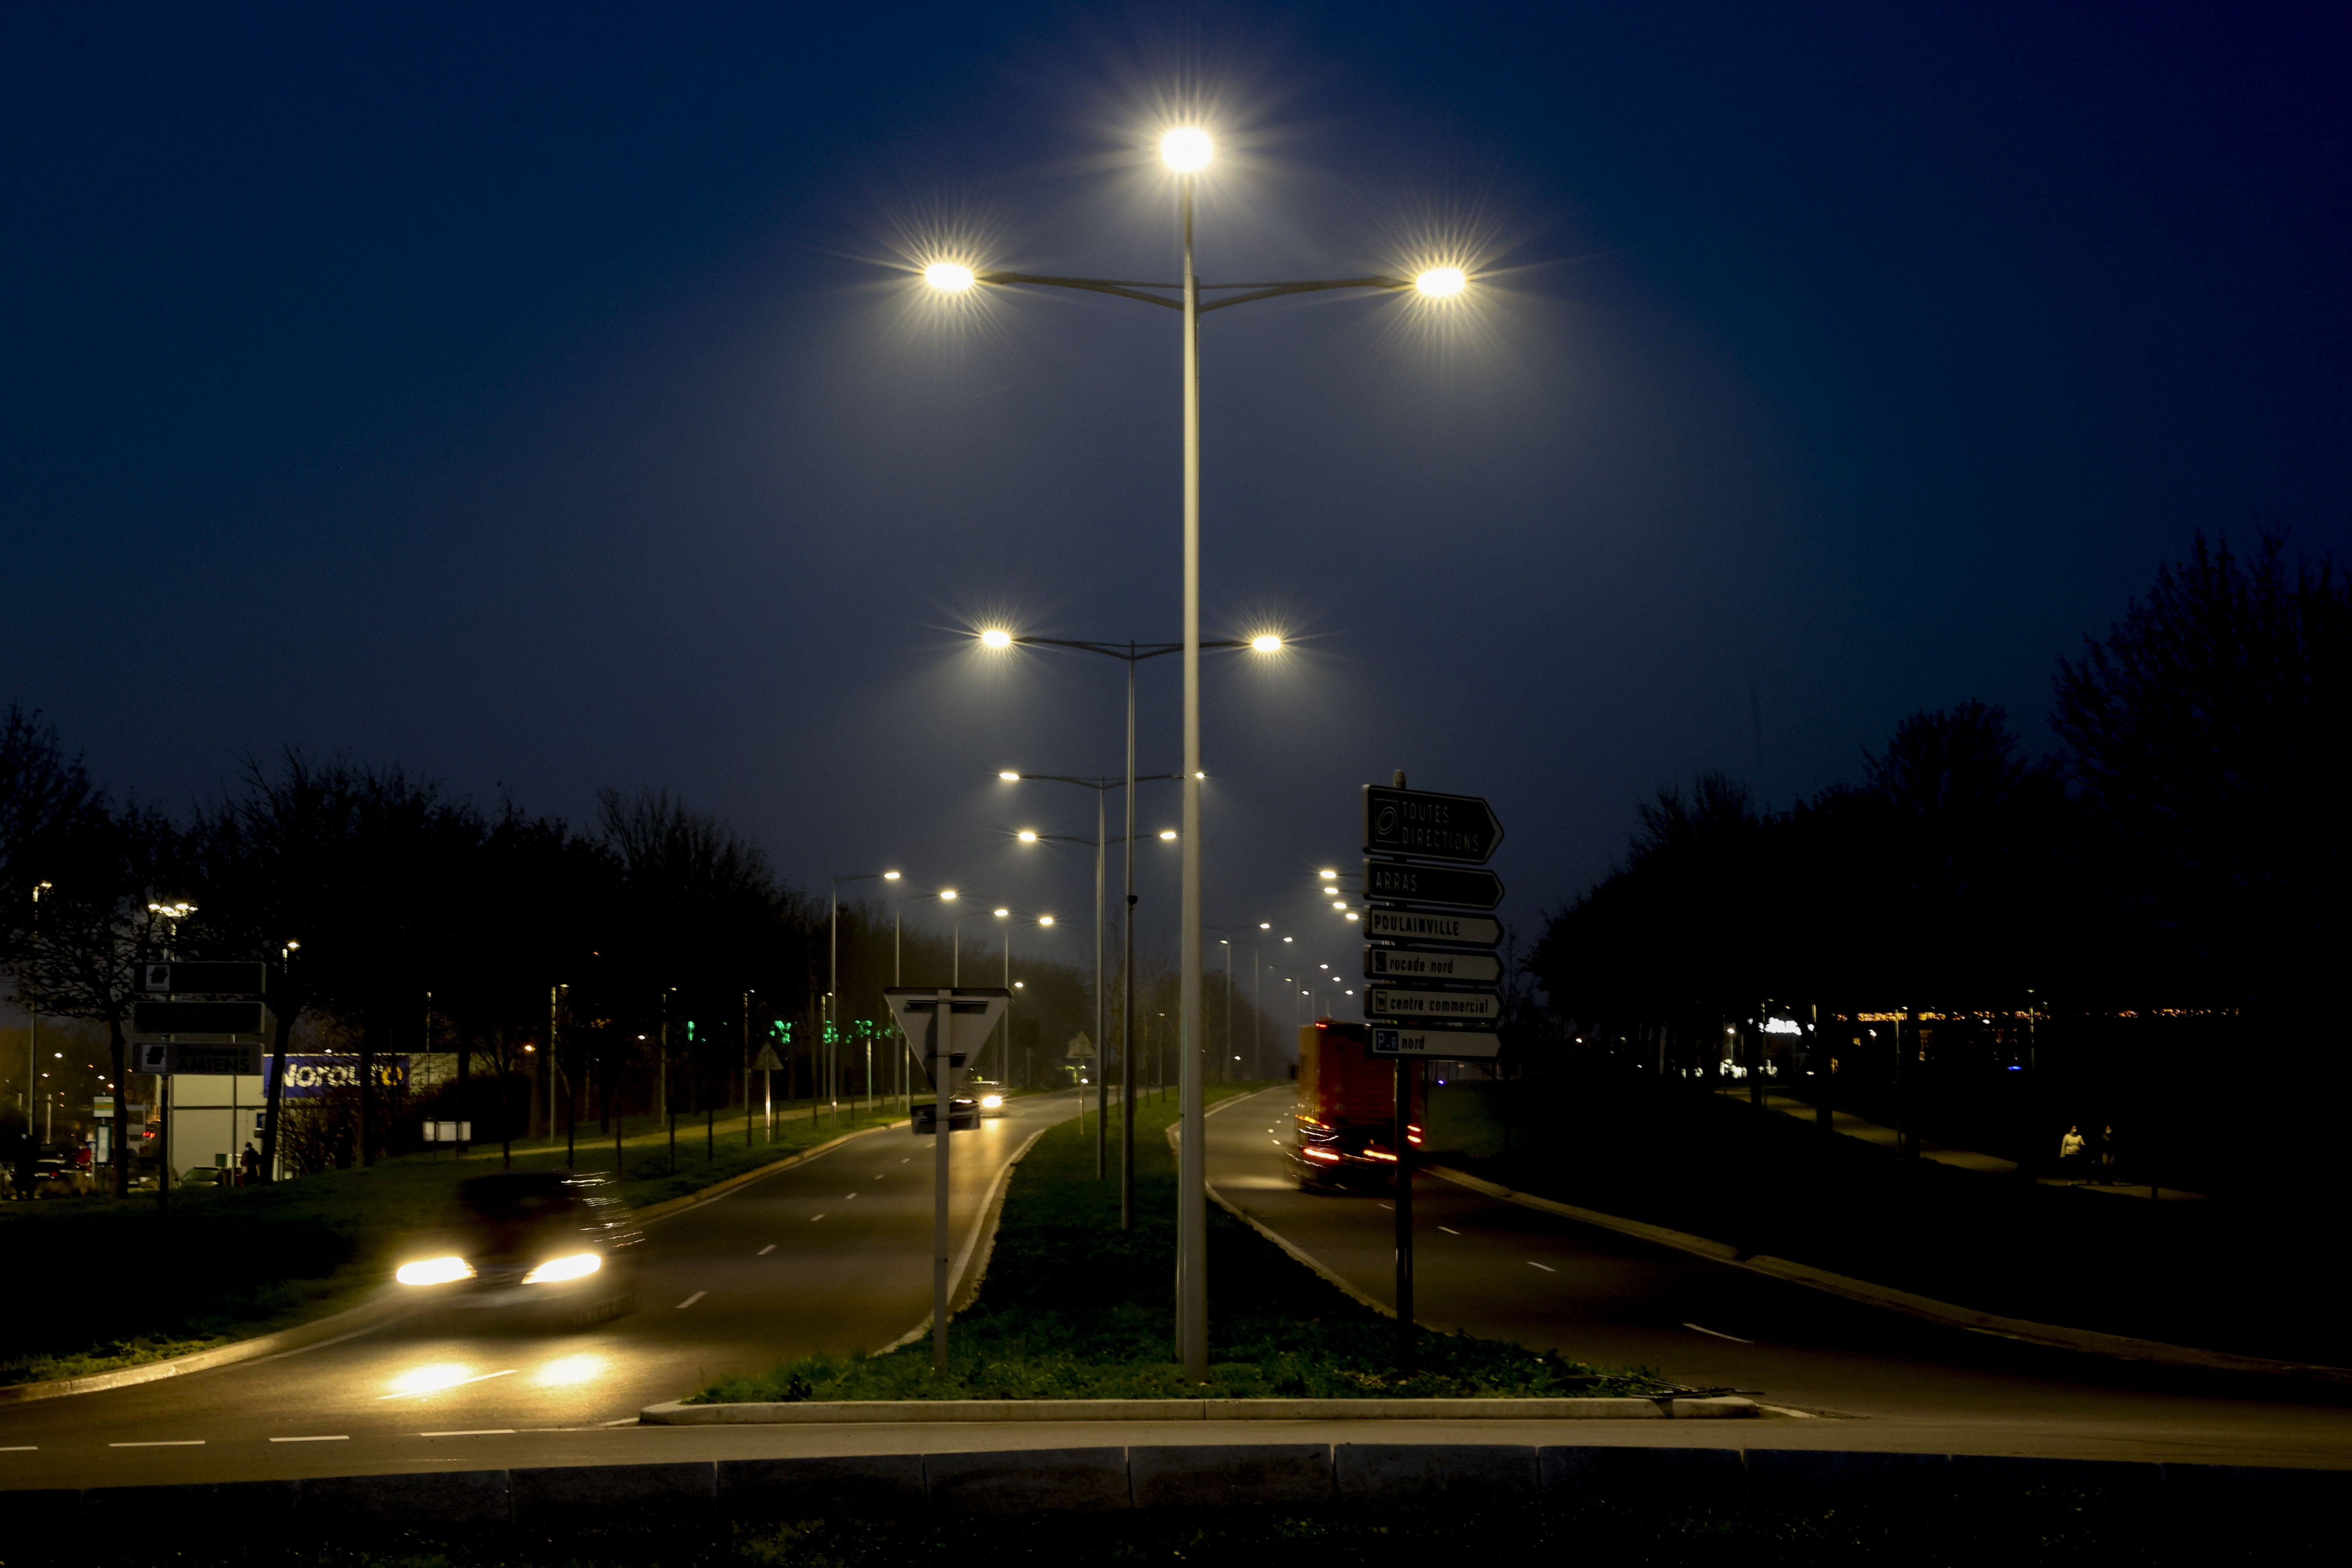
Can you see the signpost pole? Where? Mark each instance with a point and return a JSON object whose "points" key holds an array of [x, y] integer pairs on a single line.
{"points": [[1404, 1081], [942, 1125]]}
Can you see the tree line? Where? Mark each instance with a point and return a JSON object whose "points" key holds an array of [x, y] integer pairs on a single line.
{"points": [[2181, 849]]}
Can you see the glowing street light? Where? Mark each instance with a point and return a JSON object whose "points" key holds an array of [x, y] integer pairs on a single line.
{"points": [[949, 278], [1266, 643], [1027, 835], [1437, 283], [995, 637], [1187, 151], [1168, 836]]}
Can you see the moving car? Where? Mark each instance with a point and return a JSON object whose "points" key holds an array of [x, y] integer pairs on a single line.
{"points": [[539, 1246], [992, 1096], [963, 1116]]}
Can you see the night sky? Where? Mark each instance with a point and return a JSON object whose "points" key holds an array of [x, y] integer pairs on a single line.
{"points": [[540, 397]]}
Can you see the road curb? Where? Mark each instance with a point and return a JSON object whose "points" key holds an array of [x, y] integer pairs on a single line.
{"points": [[653, 1213], [2089, 1342], [671, 1413], [1110, 1478]]}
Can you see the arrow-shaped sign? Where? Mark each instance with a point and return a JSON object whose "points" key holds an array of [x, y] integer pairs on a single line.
{"points": [[1464, 1006], [1462, 1045], [1415, 963], [1458, 827], [1388, 882], [1418, 926]]}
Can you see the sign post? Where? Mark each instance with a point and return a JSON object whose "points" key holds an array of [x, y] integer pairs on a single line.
{"points": [[1441, 983], [944, 1026]]}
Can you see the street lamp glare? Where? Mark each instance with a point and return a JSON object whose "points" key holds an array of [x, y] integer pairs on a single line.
{"points": [[1168, 835], [1442, 282], [947, 895], [1265, 925], [995, 637], [1027, 835], [1187, 150], [889, 876], [947, 277], [1267, 643], [1328, 875], [1045, 919], [1000, 913], [1009, 776]]}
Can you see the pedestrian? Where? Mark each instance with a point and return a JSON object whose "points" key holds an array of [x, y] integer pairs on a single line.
{"points": [[2107, 1156], [248, 1166], [2070, 1152]]}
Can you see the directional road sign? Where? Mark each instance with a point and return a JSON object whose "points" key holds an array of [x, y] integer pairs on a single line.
{"points": [[1432, 966], [1418, 926], [181, 1058], [195, 1018], [1462, 1045], [1387, 882], [1424, 1006], [202, 979], [1457, 827]]}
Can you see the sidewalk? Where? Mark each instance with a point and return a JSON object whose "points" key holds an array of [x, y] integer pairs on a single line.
{"points": [[1845, 1125]]}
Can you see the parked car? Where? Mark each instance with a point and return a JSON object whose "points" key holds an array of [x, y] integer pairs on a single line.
{"points": [[535, 1246], [205, 1176]]}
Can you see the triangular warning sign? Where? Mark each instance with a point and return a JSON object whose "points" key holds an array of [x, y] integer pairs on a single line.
{"points": [[1082, 1050], [767, 1060]]}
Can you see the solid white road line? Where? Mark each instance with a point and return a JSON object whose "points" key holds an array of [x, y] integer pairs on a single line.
{"points": [[171, 1443], [849, 1194], [345, 1437], [480, 1432], [624, 1421], [1449, 1230], [1735, 1338], [814, 1217], [765, 1250], [22, 1448], [1545, 1266], [690, 1300], [427, 1392]]}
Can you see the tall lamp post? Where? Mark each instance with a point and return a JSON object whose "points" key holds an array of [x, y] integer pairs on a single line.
{"points": [[1102, 787], [833, 967], [1186, 151]]}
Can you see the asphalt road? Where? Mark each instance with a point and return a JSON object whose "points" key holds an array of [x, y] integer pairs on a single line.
{"points": [[1500, 1270], [831, 1255]]}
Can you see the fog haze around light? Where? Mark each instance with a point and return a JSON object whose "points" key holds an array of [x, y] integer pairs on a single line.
{"points": [[551, 400]]}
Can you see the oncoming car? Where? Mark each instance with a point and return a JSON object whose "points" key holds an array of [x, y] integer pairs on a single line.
{"points": [[541, 1245], [992, 1097]]}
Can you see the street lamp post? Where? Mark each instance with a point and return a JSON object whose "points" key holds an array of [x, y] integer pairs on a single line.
{"points": [[833, 971], [1186, 151]]}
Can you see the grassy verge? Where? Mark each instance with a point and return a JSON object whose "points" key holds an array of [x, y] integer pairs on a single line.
{"points": [[1771, 1184], [107, 1284], [2035, 1526], [1075, 1308]]}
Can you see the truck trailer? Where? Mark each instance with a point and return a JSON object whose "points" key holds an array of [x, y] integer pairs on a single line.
{"points": [[1344, 1124]]}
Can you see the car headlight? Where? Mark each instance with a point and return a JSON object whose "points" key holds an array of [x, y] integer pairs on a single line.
{"points": [[992, 1100], [577, 1266], [433, 1271]]}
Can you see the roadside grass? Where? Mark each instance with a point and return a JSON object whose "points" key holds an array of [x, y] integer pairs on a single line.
{"points": [[103, 1284], [1072, 1307], [2030, 1526]]}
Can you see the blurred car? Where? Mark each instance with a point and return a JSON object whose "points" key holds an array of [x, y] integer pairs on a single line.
{"points": [[58, 1178], [992, 1096], [536, 1247], [963, 1115]]}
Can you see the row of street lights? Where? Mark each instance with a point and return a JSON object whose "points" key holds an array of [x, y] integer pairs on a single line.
{"points": [[1187, 152]]}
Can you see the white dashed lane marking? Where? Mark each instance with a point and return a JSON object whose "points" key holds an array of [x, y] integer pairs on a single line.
{"points": [[765, 1250], [814, 1217], [690, 1300], [1735, 1338], [343, 1437], [480, 1432], [22, 1448], [1449, 1230], [167, 1443], [1545, 1266]]}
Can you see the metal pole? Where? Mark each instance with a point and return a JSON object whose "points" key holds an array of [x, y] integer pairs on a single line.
{"points": [[1404, 1066], [1127, 986], [942, 1126], [1225, 1052], [1102, 1002], [1191, 1196]]}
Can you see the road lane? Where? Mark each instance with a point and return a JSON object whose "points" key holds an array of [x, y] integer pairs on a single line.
{"points": [[1504, 1272], [734, 1285]]}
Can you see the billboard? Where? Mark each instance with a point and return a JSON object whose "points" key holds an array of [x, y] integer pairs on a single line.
{"points": [[311, 1077]]}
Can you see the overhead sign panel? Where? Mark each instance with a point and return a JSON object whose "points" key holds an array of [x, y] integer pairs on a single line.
{"points": [[1461, 1006], [1386, 882], [195, 1017], [1420, 925], [205, 979], [1433, 966], [1457, 827], [1460, 1044]]}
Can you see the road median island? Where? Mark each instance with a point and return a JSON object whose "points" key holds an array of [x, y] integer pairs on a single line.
{"points": [[322, 1246], [1074, 1320]]}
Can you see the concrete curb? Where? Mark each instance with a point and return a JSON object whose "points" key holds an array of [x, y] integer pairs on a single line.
{"points": [[370, 1315], [2087, 1341], [1030, 1481], [673, 1414]]}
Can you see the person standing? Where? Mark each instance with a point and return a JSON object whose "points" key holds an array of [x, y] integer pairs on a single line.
{"points": [[2070, 1152], [2107, 1155], [248, 1166]]}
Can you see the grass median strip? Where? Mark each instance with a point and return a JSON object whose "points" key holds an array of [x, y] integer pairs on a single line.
{"points": [[1072, 1307]]}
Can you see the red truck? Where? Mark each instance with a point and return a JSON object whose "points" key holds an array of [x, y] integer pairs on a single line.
{"points": [[1344, 1131]]}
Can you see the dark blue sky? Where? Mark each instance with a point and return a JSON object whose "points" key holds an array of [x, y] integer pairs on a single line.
{"points": [[528, 394]]}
